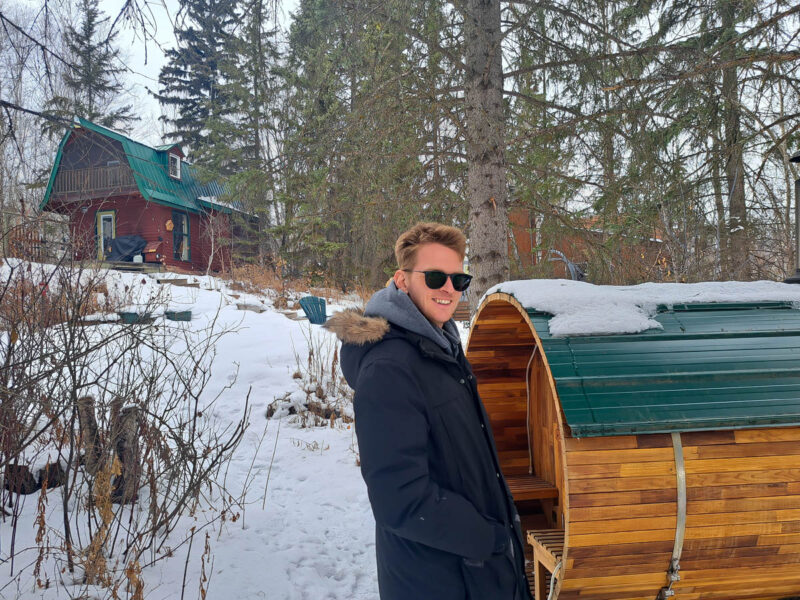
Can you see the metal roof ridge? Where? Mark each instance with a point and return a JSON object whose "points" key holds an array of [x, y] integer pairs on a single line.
{"points": [[661, 335], [700, 424]]}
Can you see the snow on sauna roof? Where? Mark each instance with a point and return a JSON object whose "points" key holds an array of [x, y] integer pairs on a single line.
{"points": [[658, 358], [582, 309]]}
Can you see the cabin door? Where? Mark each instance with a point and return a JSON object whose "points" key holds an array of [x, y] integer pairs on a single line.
{"points": [[180, 236], [106, 231]]}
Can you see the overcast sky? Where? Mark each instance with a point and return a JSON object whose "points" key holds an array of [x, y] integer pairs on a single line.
{"points": [[146, 59]]}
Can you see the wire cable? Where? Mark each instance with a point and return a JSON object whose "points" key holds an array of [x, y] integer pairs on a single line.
{"points": [[553, 581]]}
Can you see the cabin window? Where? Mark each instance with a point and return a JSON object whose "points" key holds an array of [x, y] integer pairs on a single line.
{"points": [[175, 166], [180, 237]]}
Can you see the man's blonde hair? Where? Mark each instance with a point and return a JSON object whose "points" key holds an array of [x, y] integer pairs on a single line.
{"points": [[405, 249]]}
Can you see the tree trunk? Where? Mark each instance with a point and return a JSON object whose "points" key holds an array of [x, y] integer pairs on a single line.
{"points": [[125, 433], [485, 123], [734, 164], [606, 125], [89, 435], [719, 204]]}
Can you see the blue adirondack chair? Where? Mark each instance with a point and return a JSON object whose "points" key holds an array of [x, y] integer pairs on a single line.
{"points": [[314, 308]]}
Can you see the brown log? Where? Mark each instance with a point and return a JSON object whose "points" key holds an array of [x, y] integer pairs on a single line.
{"points": [[89, 435], [125, 433], [19, 480]]}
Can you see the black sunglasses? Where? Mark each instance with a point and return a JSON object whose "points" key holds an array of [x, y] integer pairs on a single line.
{"points": [[436, 279]]}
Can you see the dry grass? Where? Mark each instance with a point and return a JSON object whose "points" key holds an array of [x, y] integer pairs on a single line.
{"points": [[252, 279], [335, 294], [255, 279], [49, 304]]}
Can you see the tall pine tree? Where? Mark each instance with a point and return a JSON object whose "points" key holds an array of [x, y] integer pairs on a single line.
{"points": [[196, 81], [94, 82]]}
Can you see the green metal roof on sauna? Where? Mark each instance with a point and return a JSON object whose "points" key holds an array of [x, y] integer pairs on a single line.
{"points": [[150, 171], [712, 366]]}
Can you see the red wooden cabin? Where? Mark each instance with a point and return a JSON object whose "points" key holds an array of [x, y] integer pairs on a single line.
{"points": [[565, 249], [112, 186]]}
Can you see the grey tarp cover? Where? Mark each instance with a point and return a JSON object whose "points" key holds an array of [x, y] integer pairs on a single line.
{"points": [[125, 247]]}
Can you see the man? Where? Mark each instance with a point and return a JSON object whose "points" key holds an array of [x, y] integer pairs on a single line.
{"points": [[446, 526]]}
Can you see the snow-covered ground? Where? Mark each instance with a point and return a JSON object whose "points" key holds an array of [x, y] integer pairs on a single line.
{"points": [[305, 529]]}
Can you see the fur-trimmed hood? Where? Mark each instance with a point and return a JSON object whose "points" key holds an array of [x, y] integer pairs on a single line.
{"points": [[389, 314], [358, 334], [353, 327]]}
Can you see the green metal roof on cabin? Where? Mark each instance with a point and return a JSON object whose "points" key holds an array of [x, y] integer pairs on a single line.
{"points": [[712, 366], [166, 147], [150, 171]]}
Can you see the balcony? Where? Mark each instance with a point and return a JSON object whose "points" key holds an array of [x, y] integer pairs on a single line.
{"points": [[89, 183]]}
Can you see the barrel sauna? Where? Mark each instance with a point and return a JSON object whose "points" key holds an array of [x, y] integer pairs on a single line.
{"points": [[652, 465]]}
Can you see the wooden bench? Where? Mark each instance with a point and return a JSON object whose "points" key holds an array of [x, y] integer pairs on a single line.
{"points": [[548, 548], [530, 487], [462, 311]]}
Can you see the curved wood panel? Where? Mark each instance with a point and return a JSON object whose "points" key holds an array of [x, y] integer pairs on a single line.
{"points": [[505, 352]]}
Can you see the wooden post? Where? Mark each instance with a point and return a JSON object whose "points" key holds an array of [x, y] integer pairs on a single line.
{"points": [[89, 435], [540, 579], [125, 433]]}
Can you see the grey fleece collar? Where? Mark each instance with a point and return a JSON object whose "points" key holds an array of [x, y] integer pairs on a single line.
{"points": [[396, 306]]}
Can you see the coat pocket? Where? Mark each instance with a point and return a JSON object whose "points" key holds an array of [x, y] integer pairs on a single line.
{"points": [[491, 579]]}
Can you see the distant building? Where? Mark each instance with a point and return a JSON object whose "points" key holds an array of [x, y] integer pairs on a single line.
{"points": [[112, 187], [566, 251]]}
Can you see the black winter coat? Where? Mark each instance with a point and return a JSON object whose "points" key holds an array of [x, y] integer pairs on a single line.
{"points": [[446, 525]]}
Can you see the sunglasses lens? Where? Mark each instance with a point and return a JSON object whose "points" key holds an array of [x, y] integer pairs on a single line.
{"points": [[460, 281], [435, 279]]}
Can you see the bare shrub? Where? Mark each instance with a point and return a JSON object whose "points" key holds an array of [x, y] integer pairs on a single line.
{"points": [[323, 396], [284, 290], [120, 411], [272, 281]]}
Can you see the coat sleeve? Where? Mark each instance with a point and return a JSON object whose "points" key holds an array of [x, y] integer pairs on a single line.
{"points": [[392, 430]]}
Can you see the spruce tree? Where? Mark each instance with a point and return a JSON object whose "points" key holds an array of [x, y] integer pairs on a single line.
{"points": [[246, 138], [365, 152], [94, 81], [196, 81]]}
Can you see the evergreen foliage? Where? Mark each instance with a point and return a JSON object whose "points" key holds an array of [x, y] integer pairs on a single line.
{"points": [[367, 142], [93, 83], [199, 82], [615, 134], [645, 141]]}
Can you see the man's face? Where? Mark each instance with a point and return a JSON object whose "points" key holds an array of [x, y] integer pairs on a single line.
{"points": [[439, 305]]}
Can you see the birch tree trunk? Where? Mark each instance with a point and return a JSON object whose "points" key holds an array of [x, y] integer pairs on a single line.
{"points": [[485, 124]]}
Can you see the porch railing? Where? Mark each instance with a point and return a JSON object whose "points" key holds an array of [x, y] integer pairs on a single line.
{"points": [[93, 180]]}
